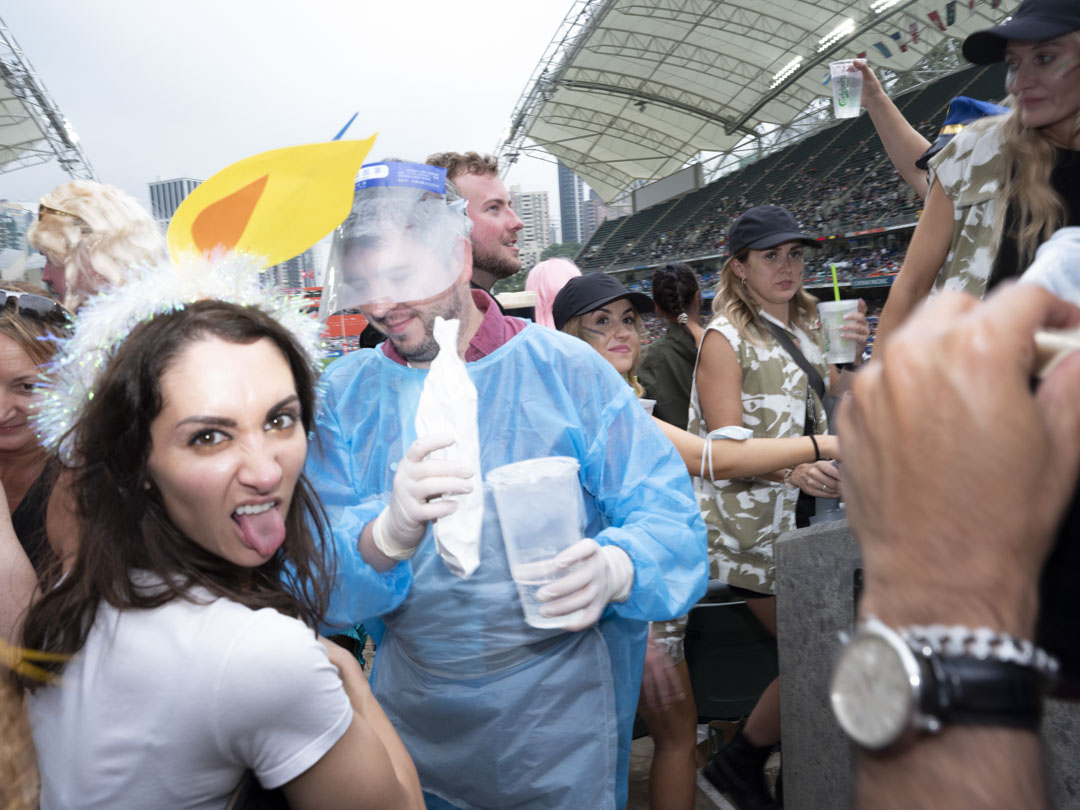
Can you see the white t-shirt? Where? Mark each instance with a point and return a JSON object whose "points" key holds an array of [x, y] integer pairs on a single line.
{"points": [[168, 708]]}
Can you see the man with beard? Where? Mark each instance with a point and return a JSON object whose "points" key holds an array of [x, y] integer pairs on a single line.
{"points": [[488, 705], [495, 225]]}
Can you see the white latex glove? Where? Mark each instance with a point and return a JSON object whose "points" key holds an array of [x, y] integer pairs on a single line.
{"points": [[600, 574], [418, 484]]}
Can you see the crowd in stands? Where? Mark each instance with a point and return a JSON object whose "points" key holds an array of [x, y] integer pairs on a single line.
{"points": [[864, 192]]}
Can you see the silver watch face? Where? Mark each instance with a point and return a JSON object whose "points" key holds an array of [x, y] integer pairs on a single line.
{"points": [[875, 688]]}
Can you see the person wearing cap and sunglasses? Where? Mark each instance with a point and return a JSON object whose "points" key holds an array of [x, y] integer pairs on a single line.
{"points": [[30, 324], [747, 375], [91, 234], [1006, 183]]}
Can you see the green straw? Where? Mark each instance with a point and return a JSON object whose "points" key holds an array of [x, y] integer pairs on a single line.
{"points": [[835, 283]]}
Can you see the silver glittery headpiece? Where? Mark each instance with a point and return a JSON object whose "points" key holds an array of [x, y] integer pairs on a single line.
{"points": [[105, 321]]}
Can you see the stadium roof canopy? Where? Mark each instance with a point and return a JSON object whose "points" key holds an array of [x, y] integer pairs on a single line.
{"points": [[633, 90], [32, 128]]}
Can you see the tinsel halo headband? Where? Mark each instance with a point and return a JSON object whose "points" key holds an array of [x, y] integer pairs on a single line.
{"points": [[71, 379]]}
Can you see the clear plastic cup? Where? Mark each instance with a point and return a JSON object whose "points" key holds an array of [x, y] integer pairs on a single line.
{"points": [[541, 512], [846, 81], [838, 349]]}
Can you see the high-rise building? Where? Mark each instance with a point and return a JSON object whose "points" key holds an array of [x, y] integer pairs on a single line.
{"points": [[15, 220], [293, 274], [532, 208], [571, 205], [595, 212], [166, 196]]}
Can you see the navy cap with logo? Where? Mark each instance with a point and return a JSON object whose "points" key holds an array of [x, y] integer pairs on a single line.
{"points": [[962, 111], [763, 227], [1034, 20], [591, 291]]}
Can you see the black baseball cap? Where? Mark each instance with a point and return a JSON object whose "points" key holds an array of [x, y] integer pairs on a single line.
{"points": [[586, 293], [763, 227], [1035, 20]]}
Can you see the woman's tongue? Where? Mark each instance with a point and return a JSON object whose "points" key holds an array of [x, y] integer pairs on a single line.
{"points": [[264, 532]]}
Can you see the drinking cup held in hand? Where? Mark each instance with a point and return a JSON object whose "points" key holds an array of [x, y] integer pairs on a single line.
{"points": [[838, 349], [846, 83], [541, 512]]}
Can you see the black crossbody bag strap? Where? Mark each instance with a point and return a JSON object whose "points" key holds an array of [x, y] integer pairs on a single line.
{"points": [[812, 374]]}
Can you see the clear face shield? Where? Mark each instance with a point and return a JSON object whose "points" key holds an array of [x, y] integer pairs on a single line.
{"points": [[402, 241]]}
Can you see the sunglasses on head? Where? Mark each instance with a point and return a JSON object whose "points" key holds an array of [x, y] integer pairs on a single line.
{"points": [[45, 209], [38, 307]]}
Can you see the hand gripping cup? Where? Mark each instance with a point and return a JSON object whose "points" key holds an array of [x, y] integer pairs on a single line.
{"points": [[846, 89], [838, 349], [541, 512]]}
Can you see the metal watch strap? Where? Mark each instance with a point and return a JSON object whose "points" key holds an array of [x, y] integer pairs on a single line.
{"points": [[966, 690]]}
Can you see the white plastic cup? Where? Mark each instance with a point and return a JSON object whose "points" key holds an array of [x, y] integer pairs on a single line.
{"points": [[838, 349], [846, 81], [541, 512]]}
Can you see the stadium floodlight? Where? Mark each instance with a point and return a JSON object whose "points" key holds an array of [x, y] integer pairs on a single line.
{"points": [[844, 29], [786, 71], [879, 6]]}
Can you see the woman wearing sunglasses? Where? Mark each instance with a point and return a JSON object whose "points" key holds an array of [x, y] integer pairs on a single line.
{"points": [[90, 233], [183, 632], [30, 324]]}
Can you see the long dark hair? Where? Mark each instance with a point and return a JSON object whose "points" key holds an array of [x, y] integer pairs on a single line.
{"points": [[123, 525]]}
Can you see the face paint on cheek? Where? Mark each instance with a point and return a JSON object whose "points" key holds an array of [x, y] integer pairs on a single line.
{"points": [[595, 334], [1065, 65]]}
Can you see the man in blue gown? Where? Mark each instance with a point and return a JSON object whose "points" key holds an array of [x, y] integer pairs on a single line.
{"points": [[495, 712]]}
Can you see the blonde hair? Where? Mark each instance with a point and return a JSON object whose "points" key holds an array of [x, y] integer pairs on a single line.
{"points": [[1029, 161], [117, 234], [733, 300], [574, 327], [36, 338]]}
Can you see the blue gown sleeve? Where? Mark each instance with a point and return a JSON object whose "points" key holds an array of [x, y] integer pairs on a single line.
{"points": [[338, 478], [642, 487]]}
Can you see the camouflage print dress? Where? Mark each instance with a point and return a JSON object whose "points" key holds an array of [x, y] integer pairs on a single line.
{"points": [[970, 170], [744, 516]]}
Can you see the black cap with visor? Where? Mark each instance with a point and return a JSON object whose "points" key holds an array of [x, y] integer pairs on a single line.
{"points": [[762, 227], [1034, 21]]}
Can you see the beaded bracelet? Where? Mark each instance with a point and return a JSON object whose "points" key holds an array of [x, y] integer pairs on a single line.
{"points": [[981, 643]]}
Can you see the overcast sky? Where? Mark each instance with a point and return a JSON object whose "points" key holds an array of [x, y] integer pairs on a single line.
{"points": [[158, 89]]}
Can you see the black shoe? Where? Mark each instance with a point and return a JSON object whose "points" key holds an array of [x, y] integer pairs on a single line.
{"points": [[737, 771]]}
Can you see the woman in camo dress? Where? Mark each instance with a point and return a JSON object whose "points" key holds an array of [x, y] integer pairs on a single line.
{"points": [[1006, 183], [744, 377], [598, 309]]}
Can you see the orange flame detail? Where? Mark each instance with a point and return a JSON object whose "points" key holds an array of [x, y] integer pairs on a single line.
{"points": [[223, 222]]}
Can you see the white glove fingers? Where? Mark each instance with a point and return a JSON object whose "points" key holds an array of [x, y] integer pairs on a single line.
{"points": [[581, 550], [439, 467], [429, 489], [581, 598], [425, 445], [571, 582]]}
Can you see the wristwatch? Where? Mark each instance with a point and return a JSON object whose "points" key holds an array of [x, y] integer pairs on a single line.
{"points": [[888, 686]]}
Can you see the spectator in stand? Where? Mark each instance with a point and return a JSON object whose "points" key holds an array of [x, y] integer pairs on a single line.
{"points": [[91, 234], [201, 552], [668, 369], [546, 279], [747, 375], [990, 207], [603, 313], [30, 324]]}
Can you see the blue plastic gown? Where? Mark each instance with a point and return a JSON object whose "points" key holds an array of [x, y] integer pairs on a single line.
{"points": [[498, 714]]}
